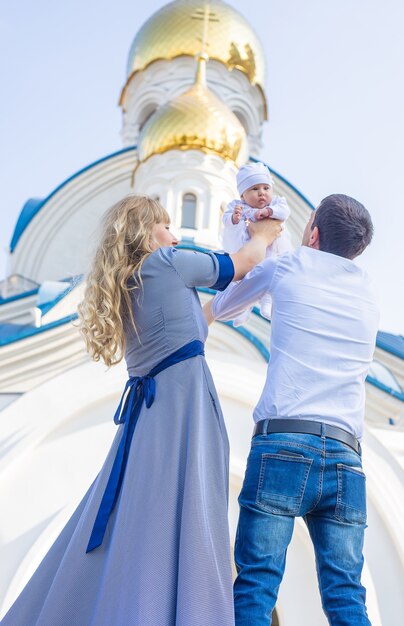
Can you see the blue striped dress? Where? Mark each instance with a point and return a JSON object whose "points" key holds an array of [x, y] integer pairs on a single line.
{"points": [[165, 557]]}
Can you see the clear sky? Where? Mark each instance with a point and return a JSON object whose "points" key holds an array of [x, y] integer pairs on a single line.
{"points": [[334, 86]]}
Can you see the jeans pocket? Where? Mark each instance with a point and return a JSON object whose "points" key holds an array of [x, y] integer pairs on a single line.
{"points": [[351, 495], [282, 481]]}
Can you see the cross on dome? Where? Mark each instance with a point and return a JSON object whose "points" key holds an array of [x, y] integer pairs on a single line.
{"points": [[205, 15]]}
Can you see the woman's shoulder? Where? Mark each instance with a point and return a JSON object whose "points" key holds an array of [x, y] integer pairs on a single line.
{"points": [[163, 259], [160, 256], [157, 266], [173, 255]]}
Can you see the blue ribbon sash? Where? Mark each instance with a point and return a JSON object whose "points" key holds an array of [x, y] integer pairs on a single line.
{"points": [[137, 390]]}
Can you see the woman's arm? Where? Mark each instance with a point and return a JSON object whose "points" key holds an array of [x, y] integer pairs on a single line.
{"points": [[262, 234]]}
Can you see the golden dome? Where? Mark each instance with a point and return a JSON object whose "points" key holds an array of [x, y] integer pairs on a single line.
{"points": [[177, 29], [197, 120]]}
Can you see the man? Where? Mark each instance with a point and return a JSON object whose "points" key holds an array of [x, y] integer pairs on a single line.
{"points": [[305, 457]]}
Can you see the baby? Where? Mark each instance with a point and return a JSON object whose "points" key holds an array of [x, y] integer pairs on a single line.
{"points": [[257, 202]]}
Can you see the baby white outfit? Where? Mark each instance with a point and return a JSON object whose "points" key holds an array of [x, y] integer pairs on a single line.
{"points": [[234, 237]]}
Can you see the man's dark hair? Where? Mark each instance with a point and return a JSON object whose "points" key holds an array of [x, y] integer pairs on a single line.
{"points": [[345, 226]]}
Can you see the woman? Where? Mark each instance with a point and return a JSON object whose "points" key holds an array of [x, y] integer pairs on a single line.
{"points": [[149, 543]]}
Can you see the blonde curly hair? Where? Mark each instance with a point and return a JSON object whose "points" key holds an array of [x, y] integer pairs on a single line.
{"points": [[116, 272]]}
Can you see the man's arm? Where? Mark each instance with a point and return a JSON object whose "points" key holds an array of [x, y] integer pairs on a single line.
{"points": [[238, 297]]}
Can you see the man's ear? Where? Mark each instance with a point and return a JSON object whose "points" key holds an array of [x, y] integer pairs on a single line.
{"points": [[314, 241]]}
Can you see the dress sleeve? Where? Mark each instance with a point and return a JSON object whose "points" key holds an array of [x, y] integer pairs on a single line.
{"points": [[201, 269]]}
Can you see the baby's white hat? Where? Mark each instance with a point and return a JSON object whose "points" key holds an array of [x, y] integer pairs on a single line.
{"points": [[253, 174]]}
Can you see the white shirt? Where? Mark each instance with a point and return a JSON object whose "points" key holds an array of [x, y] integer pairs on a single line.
{"points": [[324, 325]]}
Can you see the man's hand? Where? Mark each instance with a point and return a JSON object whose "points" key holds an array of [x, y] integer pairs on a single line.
{"points": [[237, 213]]}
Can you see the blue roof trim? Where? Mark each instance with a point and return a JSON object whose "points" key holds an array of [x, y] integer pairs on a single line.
{"points": [[285, 180], [7, 330], [46, 306], [71, 284], [22, 332], [29, 210], [391, 343], [379, 385], [19, 296], [251, 338], [34, 205]]}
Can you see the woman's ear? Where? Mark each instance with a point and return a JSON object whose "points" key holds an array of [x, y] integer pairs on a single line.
{"points": [[314, 241]]}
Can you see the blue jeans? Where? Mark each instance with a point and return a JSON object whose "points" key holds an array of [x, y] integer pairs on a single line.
{"points": [[321, 480]]}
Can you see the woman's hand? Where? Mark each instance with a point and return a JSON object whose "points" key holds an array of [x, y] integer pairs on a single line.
{"points": [[262, 234], [268, 229]]}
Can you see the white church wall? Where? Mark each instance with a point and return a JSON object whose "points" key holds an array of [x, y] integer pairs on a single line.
{"points": [[29, 362], [17, 311], [381, 408], [60, 239], [384, 537], [8, 398], [178, 172]]}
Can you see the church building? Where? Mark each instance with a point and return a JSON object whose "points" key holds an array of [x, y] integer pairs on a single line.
{"points": [[193, 110]]}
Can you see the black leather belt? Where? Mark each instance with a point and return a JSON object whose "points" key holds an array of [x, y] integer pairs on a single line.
{"points": [[307, 427]]}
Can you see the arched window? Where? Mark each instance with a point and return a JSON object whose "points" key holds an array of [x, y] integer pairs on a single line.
{"points": [[188, 212]]}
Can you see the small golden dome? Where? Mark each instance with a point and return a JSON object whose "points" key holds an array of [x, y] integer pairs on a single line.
{"points": [[177, 29], [197, 120]]}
